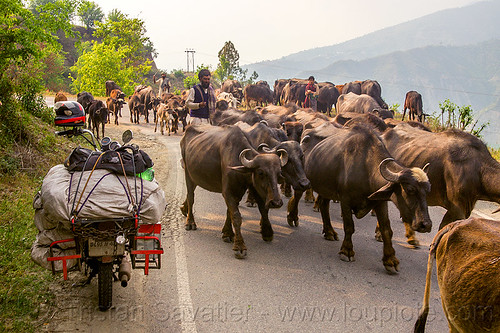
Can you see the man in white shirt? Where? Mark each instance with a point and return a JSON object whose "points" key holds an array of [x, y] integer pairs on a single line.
{"points": [[201, 99]]}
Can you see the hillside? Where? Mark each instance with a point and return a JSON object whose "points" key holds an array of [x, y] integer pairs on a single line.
{"points": [[459, 26], [467, 75]]}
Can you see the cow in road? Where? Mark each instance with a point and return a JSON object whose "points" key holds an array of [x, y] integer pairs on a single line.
{"points": [[110, 86], [413, 102], [136, 108], [468, 265], [98, 116], [222, 160], [148, 97], [114, 103], [353, 166]]}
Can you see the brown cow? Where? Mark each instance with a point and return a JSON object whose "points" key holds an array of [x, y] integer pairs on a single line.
{"points": [[233, 87], [115, 103], [136, 108], [467, 258], [413, 102], [60, 96], [110, 86]]}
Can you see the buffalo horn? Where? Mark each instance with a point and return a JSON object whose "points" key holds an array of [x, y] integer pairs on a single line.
{"points": [[264, 147], [283, 156], [426, 168], [496, 211], [305, 139], [246, 162], [386, 173]]}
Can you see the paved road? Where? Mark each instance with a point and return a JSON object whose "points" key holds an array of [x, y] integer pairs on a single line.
{"points": [[296, 283]]}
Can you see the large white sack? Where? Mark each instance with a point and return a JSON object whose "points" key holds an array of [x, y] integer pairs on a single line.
{"points": [[105, 195]]}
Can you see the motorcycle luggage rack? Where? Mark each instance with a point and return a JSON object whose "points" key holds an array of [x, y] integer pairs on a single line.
{"points": [[84, 227], [150, 256], [64, 259]]}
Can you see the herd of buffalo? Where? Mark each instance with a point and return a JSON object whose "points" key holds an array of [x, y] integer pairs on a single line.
{"points": [[361, 158]]}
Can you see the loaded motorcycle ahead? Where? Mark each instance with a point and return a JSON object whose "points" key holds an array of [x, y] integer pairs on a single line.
{"points": [[98, 212]]}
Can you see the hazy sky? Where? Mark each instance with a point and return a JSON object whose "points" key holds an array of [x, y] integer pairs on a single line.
{"points": [[263, 29]]}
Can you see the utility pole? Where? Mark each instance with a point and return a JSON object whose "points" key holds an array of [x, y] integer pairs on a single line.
{"points": [[188, 52]]}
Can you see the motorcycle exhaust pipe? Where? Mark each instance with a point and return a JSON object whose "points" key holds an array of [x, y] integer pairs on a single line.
{"points": [[124, 271]]}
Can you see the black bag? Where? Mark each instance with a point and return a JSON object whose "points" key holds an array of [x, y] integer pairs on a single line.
{"points": [[134, 160]]}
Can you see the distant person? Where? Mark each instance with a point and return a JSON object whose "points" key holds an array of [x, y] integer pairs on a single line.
{"points": [[164, 84], [201, 99], [312, 92]]}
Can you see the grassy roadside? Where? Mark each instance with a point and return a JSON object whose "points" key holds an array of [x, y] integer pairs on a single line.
{"points": [[24, 286]]}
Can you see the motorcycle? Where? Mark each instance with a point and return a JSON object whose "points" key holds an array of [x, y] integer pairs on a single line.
{"points": [[108, 247]]}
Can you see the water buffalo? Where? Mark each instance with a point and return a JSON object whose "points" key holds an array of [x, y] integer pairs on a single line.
{"points": [[413, 102], [367, 87], [467, 259], [363, 103], [353, 166], [461, 169], [258, 93], [327, 98], [222, 160], [234, 88]]}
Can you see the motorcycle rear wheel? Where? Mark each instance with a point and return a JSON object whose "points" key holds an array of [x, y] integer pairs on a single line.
{"points": [[105, 285]]}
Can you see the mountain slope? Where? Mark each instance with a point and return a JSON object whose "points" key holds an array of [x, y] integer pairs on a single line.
{"points": [[460, 26], [466, 75]]}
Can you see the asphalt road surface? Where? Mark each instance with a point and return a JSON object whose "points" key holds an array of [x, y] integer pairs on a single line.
{"points": [[296, 283]]}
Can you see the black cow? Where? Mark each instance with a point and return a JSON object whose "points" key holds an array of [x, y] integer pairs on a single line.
{"points": [[85, 98], [98, 115], [222, 160]]}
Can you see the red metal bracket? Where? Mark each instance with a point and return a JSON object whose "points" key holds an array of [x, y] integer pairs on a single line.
{"points": [[62, 258], [146, 254]]}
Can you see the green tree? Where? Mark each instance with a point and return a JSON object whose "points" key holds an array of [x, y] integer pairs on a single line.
{"points": [[190, 81], [94, 67], [127, 32], [115, 15], [89, 12], [229, 67], [24, 39]]}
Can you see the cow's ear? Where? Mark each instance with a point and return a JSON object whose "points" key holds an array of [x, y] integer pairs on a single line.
{"points": [[384, 193], [240, 168]]}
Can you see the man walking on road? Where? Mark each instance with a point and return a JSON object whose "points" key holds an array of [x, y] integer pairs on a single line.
{"points": [[201, 99]]}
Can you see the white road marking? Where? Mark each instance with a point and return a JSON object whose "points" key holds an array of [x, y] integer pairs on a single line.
{"points": [[185, 303]]}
